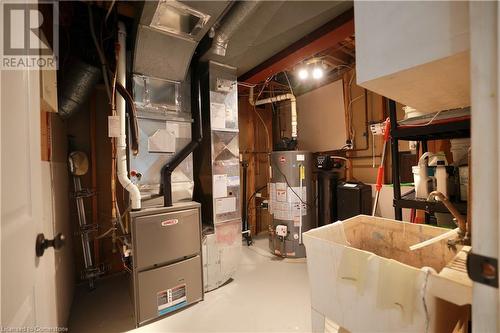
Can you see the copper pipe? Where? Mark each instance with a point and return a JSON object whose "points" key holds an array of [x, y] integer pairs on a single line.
{"points": [[461, 222]]}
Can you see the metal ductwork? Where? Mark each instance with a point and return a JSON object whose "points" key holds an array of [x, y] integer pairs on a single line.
{"points": [[169, 32], [76, 86], [240, 11]]}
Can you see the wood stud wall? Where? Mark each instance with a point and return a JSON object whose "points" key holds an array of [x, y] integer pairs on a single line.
{"points": [[253, 149], [253, 143]]}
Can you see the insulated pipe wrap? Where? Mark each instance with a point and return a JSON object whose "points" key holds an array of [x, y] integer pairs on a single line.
{"points": [[77, 85]]}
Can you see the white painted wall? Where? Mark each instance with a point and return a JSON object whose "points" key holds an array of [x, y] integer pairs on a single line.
{"points": [[415, 52]]}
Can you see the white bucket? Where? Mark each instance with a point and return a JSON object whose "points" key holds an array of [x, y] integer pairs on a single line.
{"points": [[420, 180], [459, 149]]}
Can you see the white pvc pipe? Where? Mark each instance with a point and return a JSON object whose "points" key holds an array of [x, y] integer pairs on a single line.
{"points": [[446, 235], [300, 203], [121, 142], [285, 97]]}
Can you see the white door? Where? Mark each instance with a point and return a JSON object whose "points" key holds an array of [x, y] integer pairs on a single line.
{"points": [[27, 281]]}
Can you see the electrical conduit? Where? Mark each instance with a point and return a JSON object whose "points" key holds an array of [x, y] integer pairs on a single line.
{"points": [[121, 142]]}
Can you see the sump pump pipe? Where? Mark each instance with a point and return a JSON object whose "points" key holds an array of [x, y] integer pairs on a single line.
{"points": [[285, 97], [121, 142]]}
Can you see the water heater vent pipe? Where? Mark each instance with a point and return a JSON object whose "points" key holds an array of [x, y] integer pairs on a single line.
{"points": [[285, 97], [121, 142]]}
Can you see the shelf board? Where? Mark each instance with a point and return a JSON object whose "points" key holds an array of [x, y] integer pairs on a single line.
{"points": [[459, 128], [409, 201]]}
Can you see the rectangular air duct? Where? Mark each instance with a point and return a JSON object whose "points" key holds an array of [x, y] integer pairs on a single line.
{"points": [[164, 120], [168, 34], [218, 157], [217, 165]]}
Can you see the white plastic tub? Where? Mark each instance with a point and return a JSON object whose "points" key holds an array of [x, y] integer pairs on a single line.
{"points": [[364, 278]]}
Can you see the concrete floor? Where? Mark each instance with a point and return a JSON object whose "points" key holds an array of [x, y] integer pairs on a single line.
{"points": [[266, 295], [108, 308]]}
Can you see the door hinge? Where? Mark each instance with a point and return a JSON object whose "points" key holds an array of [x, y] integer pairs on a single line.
{"points": [[482, 269]]}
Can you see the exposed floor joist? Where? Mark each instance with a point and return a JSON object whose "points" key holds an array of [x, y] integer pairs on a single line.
{"points": [[317, 41]]}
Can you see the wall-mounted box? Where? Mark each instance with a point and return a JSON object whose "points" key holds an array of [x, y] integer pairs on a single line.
{"points": [[416, 53]]}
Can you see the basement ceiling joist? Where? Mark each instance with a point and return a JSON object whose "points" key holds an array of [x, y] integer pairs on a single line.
{"points": [[321, 39]]}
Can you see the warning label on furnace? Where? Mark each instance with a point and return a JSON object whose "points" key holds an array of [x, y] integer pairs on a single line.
{"points": [[171, 299]]}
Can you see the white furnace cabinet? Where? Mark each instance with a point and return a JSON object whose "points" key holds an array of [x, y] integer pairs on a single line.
{"points": [[416, 53]]}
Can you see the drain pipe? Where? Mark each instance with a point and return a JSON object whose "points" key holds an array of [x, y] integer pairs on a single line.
{"points": [[121, 142], [196, 134], [233, 20], [285, 97]]}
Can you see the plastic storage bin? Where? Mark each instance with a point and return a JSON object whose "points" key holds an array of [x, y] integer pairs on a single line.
{"points": [[364, 278]]}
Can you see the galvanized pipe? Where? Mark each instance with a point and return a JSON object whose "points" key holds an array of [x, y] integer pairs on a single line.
{"points": [[230, 23]]}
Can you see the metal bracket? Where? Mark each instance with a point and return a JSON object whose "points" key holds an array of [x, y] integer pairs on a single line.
{"points": [[84, 193], [482, 269], [87, 229], [94, 272]]}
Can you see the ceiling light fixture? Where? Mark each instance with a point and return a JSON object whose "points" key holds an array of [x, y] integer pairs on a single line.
{"points": [[317, 73], [303, 74]]}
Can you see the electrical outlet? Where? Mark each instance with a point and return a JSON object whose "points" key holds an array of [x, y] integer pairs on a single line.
{"points": [[377, 128]]}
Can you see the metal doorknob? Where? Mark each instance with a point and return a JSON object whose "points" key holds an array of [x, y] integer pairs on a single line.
{"points": [[42, 243]]}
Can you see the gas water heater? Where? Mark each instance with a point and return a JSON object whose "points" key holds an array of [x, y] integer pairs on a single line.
{"points": [[292, 203]]}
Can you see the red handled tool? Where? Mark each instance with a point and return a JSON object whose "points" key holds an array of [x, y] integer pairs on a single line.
{"points": [[380, 173]]}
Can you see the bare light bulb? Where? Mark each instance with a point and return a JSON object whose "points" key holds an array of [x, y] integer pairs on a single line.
{"points": [[317, 73], [303, 74]]}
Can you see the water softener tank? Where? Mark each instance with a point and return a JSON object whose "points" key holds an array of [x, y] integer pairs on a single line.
{"points": [[292, 203]]}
